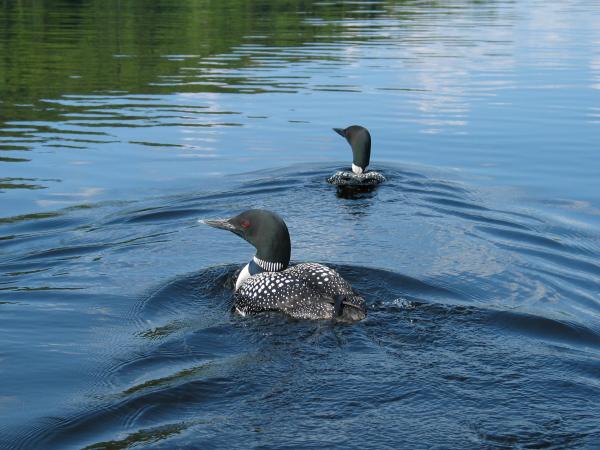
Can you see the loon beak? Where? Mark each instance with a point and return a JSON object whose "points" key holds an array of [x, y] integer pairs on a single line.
{"points": [[223, 224], [340, 131]]}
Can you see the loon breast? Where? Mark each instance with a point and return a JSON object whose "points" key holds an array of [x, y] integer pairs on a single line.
{"points": [[304, 291]]}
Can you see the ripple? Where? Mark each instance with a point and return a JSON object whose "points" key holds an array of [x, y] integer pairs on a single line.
{"points": [[478, 257]]}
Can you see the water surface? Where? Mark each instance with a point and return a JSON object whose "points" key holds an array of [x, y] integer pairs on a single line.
{"points": [[122, 123]]}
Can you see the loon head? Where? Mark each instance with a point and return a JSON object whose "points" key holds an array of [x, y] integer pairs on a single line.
{"points": [[266, 231], [360, 140]]}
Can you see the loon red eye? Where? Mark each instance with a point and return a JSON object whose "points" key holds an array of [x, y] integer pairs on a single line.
{"points": [[245, 224]]}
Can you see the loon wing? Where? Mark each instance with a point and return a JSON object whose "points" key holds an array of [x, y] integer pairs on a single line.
{"points": [[330, 284]]}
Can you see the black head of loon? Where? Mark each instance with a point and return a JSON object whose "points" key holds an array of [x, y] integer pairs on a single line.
{"points": [[360, 140], [266, 231]]}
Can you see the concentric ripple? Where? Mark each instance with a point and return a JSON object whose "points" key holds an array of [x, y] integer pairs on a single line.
{"points": [[473, 308]]}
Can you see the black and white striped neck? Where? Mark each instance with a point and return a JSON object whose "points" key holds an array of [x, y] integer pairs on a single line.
{"points": [[268, 266]]}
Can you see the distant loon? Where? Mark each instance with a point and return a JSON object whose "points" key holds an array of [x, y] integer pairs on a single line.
{"points": [[360, 140], [304, 291]]}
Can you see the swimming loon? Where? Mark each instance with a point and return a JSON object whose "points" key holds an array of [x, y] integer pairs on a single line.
{"points": [[359, 139], [303, 291]]}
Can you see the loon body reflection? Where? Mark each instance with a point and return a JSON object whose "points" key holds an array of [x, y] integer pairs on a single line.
{"points": [[359, 139], [304, 291]]}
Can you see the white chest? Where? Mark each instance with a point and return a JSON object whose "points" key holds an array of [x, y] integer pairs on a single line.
{"points": [[243, 276], [357, 170]]}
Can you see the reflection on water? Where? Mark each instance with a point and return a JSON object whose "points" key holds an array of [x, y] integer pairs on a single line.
{"points": [[125, 99], [122, 123]]}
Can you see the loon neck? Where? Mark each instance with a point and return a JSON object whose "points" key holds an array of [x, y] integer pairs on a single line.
{"points": [[256, 266], [267, 266]]}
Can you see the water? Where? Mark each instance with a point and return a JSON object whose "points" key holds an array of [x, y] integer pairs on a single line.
{"points": [[122, 123]]}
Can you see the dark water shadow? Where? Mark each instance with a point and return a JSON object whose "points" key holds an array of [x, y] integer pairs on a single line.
{"points": [[195, 358], [183, 371]]}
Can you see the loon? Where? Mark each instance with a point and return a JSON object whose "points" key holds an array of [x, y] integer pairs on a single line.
{"points": [[360, 140], [266, 283]]}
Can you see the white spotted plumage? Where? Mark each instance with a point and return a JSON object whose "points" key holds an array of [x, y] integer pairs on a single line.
{"points": [[304, 291], [353, 179]]}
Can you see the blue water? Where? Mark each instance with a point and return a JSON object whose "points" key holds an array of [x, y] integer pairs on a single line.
{"points": [[122, 124]]}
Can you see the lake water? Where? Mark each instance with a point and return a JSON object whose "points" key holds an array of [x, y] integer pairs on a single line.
{"points": [[122, 123]]}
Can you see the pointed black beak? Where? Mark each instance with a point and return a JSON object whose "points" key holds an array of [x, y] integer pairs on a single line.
{"points": [[223, 224], [340, 131]]}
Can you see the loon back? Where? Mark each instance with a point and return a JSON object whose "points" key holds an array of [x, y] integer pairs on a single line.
{"points": [[305, 291], [350, 179]]}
